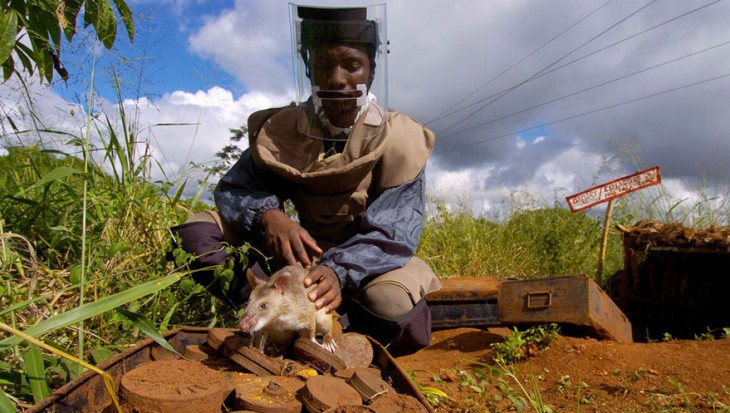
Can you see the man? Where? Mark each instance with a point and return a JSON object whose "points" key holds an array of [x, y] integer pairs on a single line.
{"points": [[355, 174]]}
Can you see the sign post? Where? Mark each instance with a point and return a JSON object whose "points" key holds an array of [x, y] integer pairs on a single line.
{"points": [[607, 193]]}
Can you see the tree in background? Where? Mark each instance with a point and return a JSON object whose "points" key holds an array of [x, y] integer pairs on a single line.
{"points": [[228, 155], [31, 30]]}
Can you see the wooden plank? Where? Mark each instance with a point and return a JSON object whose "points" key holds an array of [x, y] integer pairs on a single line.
{"points": [[466, 289]]}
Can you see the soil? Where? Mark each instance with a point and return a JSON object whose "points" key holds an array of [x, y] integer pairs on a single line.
{"points": [[579, 374], [674, 234]]}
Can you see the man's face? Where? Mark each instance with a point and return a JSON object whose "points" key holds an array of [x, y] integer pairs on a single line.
{"points": [[337, 70]]}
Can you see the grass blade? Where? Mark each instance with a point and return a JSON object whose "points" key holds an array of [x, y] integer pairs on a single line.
{"points": [[5, 404], [33, 360], [97, 307], [58, 173], [147, 327]]}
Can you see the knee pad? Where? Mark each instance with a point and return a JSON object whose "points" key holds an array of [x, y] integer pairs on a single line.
{"points": [[204, 240], [389, 299]]}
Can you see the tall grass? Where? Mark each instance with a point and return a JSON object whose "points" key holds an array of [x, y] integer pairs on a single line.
{"points": [[52, 203], [533, 239], [527, 243]]}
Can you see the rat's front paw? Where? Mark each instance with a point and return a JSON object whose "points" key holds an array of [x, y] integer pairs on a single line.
{"points": [[329, 343]]}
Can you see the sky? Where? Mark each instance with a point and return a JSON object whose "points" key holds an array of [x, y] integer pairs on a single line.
{"points": [[530, 100]]}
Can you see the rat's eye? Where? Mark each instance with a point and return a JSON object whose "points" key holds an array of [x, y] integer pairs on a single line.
{"points": [[263, 306]]}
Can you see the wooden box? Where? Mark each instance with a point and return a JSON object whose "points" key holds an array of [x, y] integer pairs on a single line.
{"points": [[464, 302], [575, 301], [674, 281]]}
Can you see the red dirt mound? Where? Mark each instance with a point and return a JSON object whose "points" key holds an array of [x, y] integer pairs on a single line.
{"points": [[579, 374]]}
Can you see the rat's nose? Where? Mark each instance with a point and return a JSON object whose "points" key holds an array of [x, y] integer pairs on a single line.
{"points": [[247, 324]]}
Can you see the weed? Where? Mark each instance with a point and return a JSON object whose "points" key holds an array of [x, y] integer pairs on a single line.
{"points": [[564, 384], [436, 397], [520, 401], [680, 400], [529, 243], [680, 391], [708, 335], [716, 404], [476, 383], [580, 395], [524, 344], [78, 232], [640, 374]]}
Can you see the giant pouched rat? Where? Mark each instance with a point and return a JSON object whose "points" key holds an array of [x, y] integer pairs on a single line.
{"points": [[279, 309]]}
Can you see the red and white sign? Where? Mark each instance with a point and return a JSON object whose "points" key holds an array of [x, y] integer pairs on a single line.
{"points": [[614, 189]]}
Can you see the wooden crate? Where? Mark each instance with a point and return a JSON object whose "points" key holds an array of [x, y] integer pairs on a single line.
{"points": [[88, 392], [674, 281], [465, 302], [574, 301]]}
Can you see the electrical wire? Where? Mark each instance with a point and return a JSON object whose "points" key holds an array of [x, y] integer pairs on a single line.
{"points": [[444, 113], [509, 90], [663, 92], [588, 55], [596, 86]]}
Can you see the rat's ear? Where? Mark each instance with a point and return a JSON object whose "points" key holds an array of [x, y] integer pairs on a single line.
{"points": [[282, 282], [253, 280]]}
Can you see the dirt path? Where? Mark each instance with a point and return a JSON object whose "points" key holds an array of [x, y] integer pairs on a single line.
{"points": [[580, 374]]}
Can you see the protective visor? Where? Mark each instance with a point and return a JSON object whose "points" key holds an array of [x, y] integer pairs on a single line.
{"points": [[326, 40]]}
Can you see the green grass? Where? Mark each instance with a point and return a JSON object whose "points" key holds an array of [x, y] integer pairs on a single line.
{"points": [[83, 243], [535, 243]]}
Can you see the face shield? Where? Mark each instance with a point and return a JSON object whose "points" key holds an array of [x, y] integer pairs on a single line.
{"points": [[340, 62]]}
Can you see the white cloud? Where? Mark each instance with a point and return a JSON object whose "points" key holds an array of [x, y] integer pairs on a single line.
{"points": [[185, 127], [250, 41], [177, 129]]}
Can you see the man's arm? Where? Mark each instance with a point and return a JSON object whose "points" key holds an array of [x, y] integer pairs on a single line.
{"points": [[247, 202], [240, 197], [388, 237]]}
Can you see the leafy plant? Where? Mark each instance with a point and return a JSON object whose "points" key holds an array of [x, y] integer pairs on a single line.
{"points": [[521, 400], [524, 344], [52, 205], [434, 396], [708, 335], [43, 22]]}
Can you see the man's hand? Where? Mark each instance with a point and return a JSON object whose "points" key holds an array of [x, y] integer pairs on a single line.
{"points": [[287, 240], [326, 294]]}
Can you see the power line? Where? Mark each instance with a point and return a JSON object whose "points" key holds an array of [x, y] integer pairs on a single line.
{"points": [[444, 113], [646, 69], [507, 91], [631, 37], [591, 54], [492, 138]]}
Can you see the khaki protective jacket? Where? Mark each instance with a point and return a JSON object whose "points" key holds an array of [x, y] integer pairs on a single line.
{"points": [[331, 192]]}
